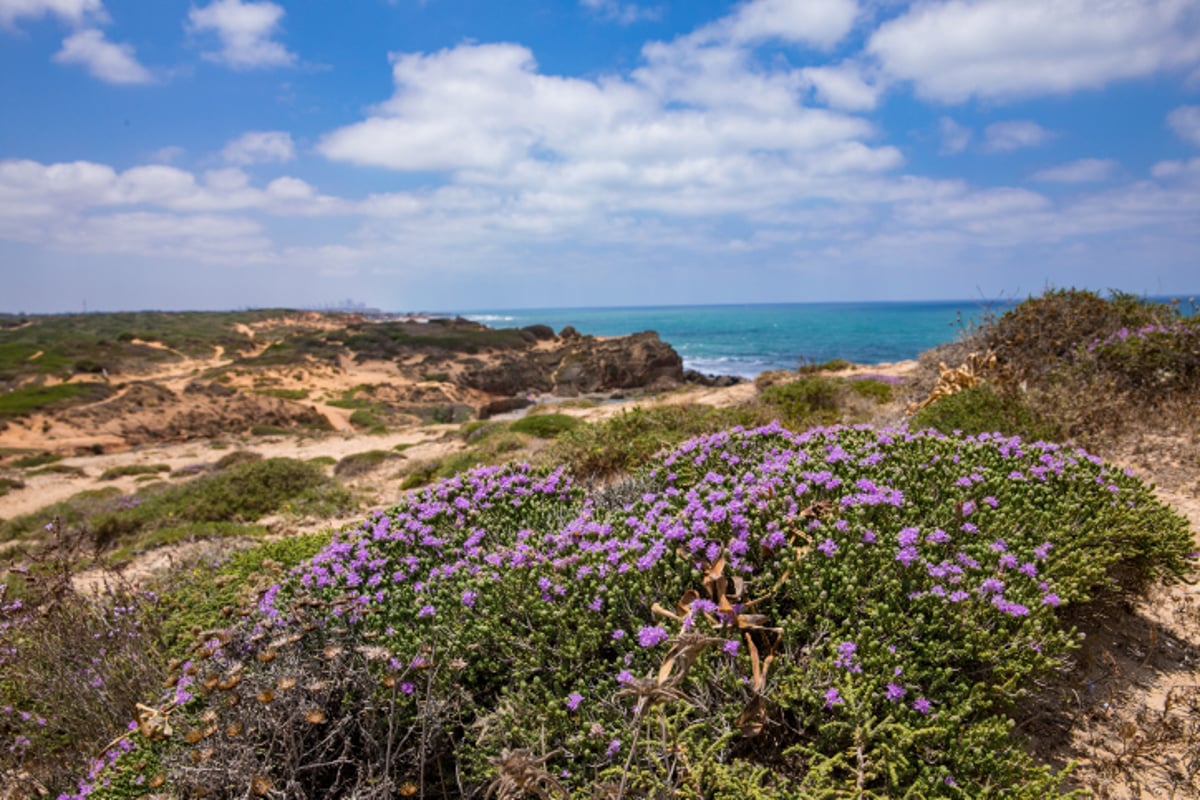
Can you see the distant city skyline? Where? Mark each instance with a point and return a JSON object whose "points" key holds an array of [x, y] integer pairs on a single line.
{"points": [[466, 154]]}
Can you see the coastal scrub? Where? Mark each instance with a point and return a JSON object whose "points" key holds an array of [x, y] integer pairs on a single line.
{"points": [[756, 612]]}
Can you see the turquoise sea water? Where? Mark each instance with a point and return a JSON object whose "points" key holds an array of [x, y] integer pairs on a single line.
{"points": [[748, 339]]}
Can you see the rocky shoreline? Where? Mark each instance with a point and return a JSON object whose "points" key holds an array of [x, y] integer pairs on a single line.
{"points": [[310, 372]]}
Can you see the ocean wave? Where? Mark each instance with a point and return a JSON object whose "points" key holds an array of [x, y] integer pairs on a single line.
{"points": [[489, 317], [727, 365]]}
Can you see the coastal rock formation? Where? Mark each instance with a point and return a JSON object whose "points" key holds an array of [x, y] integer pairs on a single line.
{"points": [[576, 364]]}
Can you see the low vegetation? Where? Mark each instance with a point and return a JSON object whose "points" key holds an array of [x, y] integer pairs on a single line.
{"points": [[25, 400], [125, 470], [756, 601]]}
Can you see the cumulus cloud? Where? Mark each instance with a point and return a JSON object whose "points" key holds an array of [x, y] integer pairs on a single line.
{"points": [[820, 23], [621, 13], [955, 137], [110, 62], [245, 30], [82, 186], [1185, 121], [1004, 137], [843, 87], [1084, 170], [73, 12], [258, 147], [1003, 49], [695, 128]]}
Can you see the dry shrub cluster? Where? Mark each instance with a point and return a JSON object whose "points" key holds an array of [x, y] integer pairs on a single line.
{"points": [[72, 666]]}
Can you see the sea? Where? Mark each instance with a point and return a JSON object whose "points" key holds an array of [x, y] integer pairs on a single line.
{"points": [[746, 340]]}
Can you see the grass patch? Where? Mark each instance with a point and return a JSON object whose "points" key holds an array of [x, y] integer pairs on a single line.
{"points": [[7, 485], [545, 426], [112, 473], [28, 399]]}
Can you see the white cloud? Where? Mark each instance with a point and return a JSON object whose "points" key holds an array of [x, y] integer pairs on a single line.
{"points": [[245, 30], [843, 87], [1185, 121], [257, 147], [621, 13], [73, 12], [955, 137], [690, 114], [820, 23], [1084, 170], [75, 188], [1003, 137], [1002, 49], [111, 63]]}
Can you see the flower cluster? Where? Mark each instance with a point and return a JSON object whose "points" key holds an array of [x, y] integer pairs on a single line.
{"points": [[813, 582]]}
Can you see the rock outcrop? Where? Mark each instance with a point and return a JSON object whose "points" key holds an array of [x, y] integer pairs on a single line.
{"points": [[577, 365]]}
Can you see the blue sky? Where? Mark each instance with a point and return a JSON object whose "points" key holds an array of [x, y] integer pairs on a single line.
{"points": [[462, 154]]}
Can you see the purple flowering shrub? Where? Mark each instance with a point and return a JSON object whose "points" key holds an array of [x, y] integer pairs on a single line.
{"points": [[1148, 360], [757, 611], [72, 666]]}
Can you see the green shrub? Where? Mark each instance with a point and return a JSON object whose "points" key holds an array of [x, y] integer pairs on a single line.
{"points": [[545, 426], [846, 612], [72, 512], [812, 400], [981, 409], [833, 365], [625, 441], [7, 485], [873, 389], [236, 458], [366, 418], [204, 599], [41, 459], [58, 469], [242, 493], [112, 473], [284, 394], [268, 430], [357, 464]]}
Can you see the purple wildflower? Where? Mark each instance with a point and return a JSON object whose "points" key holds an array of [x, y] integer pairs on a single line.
{"points": [[652, 635], [894, 693], [832, 698], [828, 547], [573, 700]]}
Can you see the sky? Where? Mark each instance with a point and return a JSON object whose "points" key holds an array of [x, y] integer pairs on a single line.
{"points": [[473, 154]]}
